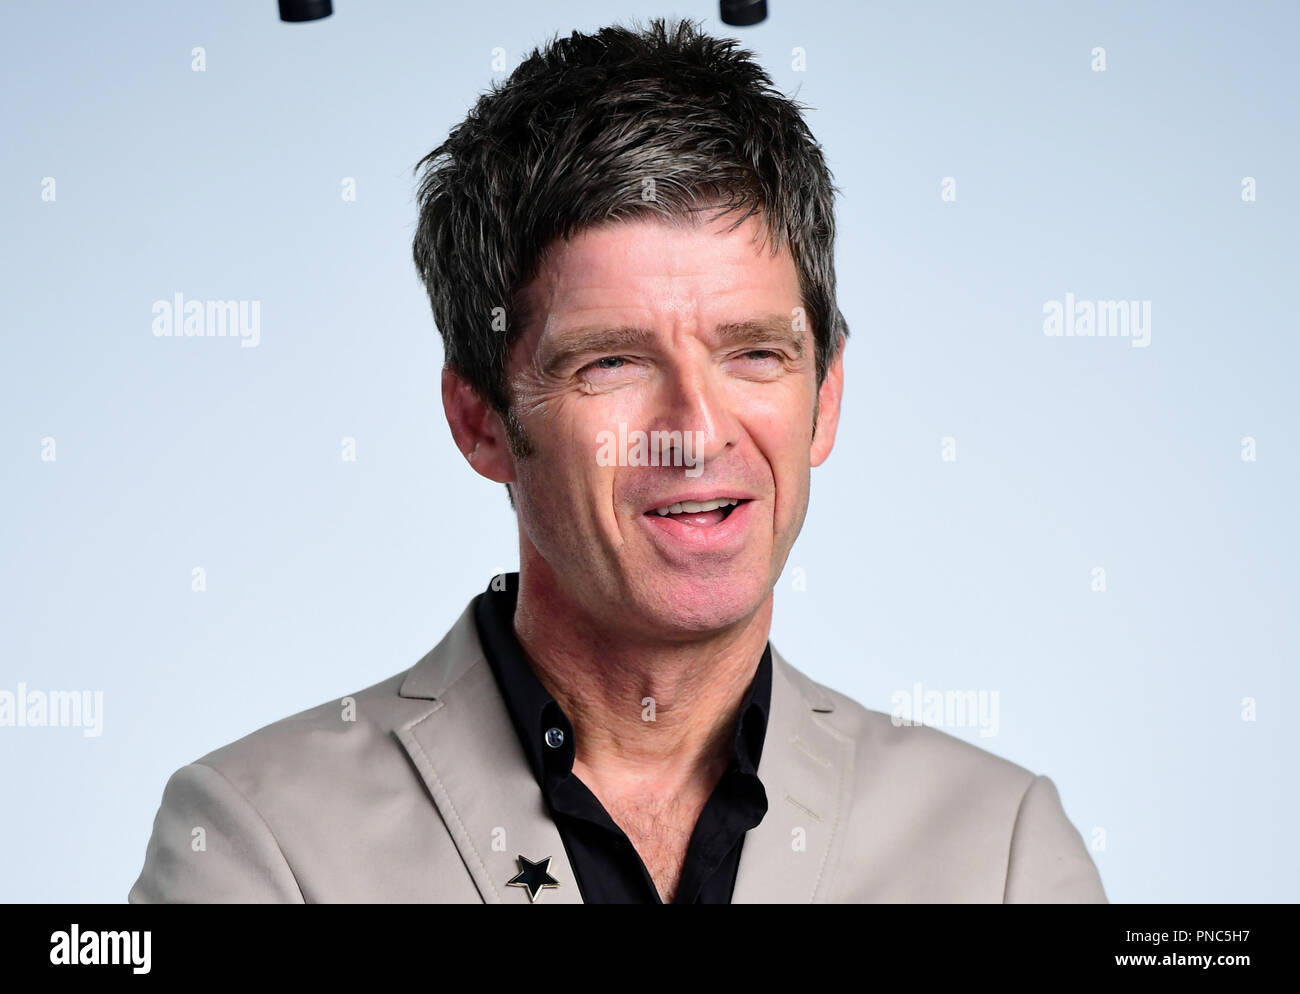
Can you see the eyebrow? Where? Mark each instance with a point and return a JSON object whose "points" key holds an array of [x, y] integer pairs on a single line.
{"points": [[580, 342]]}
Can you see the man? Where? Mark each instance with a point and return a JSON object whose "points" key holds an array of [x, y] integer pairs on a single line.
{"points": [[628, 249]]}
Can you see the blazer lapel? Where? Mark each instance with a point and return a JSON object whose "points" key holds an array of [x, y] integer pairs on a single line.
{"points": [[806, 769], [468, 754]]}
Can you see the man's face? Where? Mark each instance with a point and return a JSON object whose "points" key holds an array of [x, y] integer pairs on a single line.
{"points": [[643, 327]]}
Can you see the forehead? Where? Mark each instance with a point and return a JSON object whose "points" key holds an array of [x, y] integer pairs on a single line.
{"points": [[657, 273]]}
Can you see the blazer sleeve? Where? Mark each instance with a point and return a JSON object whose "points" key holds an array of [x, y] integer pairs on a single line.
{"points": [[1049, 863], [235, 859]]}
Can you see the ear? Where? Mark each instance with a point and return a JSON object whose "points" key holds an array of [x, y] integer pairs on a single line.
{"points": [[476, 429], [828, 407]]}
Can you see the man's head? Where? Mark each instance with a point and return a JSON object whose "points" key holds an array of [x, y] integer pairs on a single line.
{"points": [[633, 239]]}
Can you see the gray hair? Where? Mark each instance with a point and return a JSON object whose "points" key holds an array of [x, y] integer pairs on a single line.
{"points": [[572, 139]]}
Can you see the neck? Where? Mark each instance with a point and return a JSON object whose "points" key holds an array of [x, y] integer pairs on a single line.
{"points": [[609, 687]]}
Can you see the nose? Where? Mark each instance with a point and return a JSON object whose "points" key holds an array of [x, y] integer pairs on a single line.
{"points": [[694, 399]]}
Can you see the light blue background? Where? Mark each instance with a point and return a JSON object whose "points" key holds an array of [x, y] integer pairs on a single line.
{"points": [[326, 576]]}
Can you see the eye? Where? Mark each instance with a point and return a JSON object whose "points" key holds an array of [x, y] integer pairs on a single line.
{"points": [[606, 364], [760, 357], [758, 364]]}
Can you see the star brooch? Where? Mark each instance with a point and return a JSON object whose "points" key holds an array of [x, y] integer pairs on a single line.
{"points": [[533, 876]]}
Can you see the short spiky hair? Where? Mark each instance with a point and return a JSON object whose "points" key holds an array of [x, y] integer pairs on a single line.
{"points": [[574, 139]]}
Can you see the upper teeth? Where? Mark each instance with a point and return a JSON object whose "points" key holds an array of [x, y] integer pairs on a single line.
{"points": [[695, 506]]}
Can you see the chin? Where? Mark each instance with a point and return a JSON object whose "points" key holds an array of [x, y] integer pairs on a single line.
{"points": [[705, 604]]}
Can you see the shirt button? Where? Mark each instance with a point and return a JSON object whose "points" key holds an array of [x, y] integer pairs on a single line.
{"points": [[554, 738]]}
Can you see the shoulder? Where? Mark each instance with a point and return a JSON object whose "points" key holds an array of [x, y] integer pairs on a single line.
{"points": [[887, 746], [250, 821], [322, 746], [932, 817]]}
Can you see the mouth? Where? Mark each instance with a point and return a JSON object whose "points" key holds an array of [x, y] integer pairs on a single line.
{"points": [[698, 514], [721, 526]]}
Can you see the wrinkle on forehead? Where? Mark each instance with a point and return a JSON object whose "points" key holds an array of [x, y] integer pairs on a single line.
{"points": [[601, 269]]}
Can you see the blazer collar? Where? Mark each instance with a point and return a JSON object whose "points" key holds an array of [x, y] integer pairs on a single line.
{"points": [[491, 804]]}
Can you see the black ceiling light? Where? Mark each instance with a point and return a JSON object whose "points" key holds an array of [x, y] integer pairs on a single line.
{"points": [[743, 13], [305, 10], [740, 13]]}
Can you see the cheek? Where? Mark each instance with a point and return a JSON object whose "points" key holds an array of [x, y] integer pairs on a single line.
{"points": [[789, 461], [569, 495]]}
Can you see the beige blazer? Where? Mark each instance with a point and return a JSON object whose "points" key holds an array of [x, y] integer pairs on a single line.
{"points": [[417, 790]]}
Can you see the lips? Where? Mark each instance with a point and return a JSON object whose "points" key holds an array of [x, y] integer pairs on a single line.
{"points": [[696, 502], [718, 530], [698, 514]]}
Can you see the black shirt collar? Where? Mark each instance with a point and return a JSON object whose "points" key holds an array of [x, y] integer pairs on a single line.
{"points": [[535, 712]]}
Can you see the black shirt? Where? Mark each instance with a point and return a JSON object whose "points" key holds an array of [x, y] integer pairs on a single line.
{"points": [[607, 866]]}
